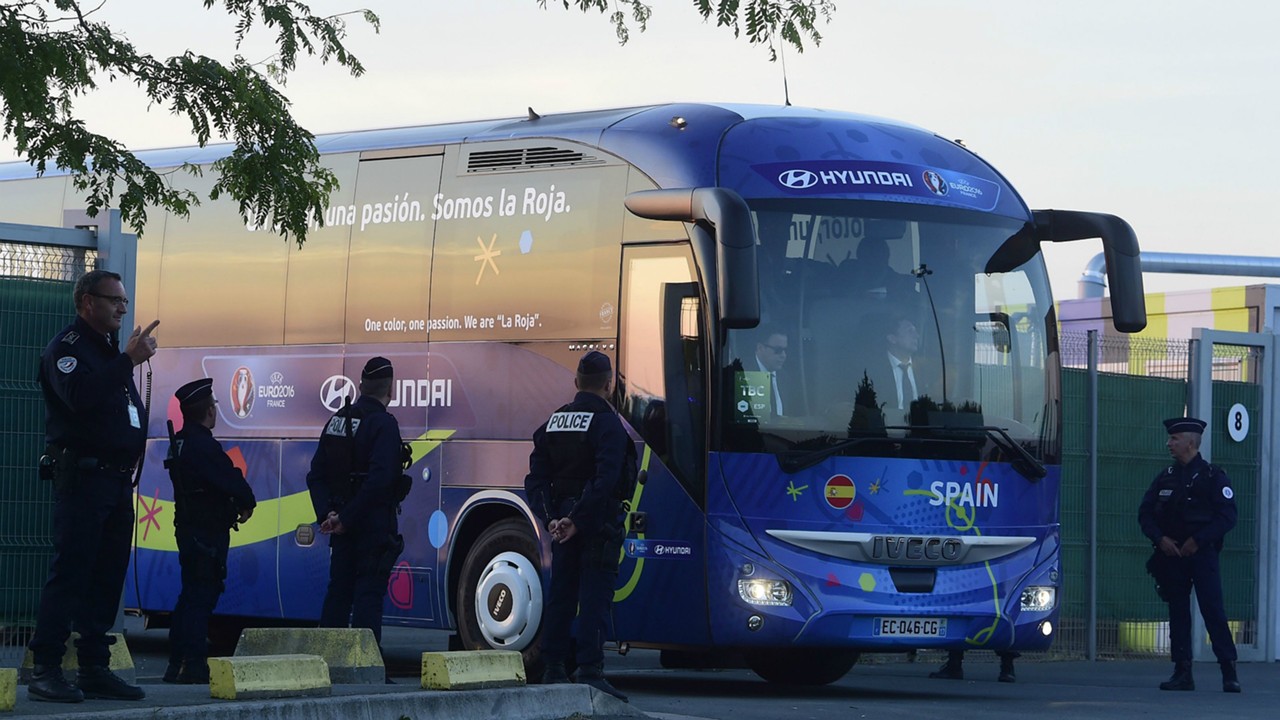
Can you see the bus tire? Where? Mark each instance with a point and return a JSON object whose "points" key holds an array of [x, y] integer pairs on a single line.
{"points": [[499, 597], [810, 666]]}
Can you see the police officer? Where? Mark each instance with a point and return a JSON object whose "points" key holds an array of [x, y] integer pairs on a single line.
{"points": [[211, 496], [578, 471], [1185, 513], [95, 427], [353, 483]]}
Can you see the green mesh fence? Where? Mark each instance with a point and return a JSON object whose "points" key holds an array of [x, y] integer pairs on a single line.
{"points": [[1141, 382], [35, 302]]}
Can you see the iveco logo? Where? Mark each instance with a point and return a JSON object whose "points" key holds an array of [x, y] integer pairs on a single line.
{"points": [[334, 390], [798, 179]]}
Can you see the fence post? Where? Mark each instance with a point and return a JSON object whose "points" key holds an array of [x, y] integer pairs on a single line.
{"points": [[1091, 450]]}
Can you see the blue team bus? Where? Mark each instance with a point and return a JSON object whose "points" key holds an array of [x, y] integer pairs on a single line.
{"points": [[750, 269]]}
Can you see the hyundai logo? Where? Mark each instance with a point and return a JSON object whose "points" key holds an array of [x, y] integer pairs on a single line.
{"points": [[798, 179], [335, 389]]}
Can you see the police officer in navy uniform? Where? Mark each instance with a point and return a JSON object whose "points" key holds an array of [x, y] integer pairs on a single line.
{"points": [[95, 427], [1185, 513], [577, 474], [211, 496], [353, 481]]}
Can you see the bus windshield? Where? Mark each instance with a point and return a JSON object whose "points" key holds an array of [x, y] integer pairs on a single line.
{"points": [[893, 329]]}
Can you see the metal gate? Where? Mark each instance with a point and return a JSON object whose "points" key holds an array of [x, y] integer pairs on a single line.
{"points": [[38, 269], [1232, 380]]}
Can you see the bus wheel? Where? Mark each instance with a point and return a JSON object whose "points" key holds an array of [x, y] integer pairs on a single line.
{"points": [[499, 602], [812, 666]]}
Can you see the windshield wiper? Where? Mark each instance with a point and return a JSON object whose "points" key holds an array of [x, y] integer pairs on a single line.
{"points": [[1025, 463], [1022, 461]]}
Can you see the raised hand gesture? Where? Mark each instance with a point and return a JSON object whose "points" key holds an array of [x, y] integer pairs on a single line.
{"points": [[141, 345]]}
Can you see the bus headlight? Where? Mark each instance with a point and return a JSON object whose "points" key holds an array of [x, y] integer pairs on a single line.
{"points": [[764, 591], [1040, 598]]}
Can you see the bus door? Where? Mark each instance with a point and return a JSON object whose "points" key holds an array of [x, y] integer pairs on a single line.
{"points": [[662, 397]]}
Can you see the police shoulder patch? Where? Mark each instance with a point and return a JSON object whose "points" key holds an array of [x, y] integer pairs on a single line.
{"points": [[67, 364], [71, 337], [1227, 492]]}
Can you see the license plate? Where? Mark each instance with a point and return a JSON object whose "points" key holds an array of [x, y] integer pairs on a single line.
{"points": [[911, 627]]}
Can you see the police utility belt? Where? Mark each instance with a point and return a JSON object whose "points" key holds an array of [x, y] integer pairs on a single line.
{"points": [[63, 459]]}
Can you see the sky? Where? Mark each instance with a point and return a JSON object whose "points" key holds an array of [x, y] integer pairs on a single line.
{"points": [[1163, 112]]}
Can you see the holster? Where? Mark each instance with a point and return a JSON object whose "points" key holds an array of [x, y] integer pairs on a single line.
{"points": [[1155, 570], [61, 465]]}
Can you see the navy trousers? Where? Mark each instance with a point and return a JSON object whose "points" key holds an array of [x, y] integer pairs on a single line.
{"points": [[92, 533], [204, 572], [1200, 571], [358, 575], [583, 573]]}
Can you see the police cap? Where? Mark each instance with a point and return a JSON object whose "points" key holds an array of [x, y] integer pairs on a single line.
{"points": [[594, 363], [1184, 424], [194, 391], [378, 368]]}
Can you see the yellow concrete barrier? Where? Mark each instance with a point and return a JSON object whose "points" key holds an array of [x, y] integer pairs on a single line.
{"points": [[1152, 636], [1148, 636], [472, 669], [352, 654], [121, 662], [8, 688], [246, 677]]}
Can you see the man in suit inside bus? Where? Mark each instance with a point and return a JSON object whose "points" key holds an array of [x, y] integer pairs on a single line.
{"points": [[895, 371], [771, 356]]}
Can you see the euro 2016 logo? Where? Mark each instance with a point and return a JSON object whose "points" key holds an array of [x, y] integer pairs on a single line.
{"points": [[242, 392], [935, 183]]}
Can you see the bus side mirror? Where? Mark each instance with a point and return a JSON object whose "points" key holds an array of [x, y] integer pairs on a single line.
{"points": [[726, 214], [1119, 244]]}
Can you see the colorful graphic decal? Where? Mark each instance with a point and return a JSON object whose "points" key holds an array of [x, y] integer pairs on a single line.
{"points": [[657, 549], [882, 180], [840, 492], [274, 517], [897, 501], [290, 392], [400, 586]]}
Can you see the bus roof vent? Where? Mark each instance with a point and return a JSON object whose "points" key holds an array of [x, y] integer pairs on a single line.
{"points": [[529, 158]]}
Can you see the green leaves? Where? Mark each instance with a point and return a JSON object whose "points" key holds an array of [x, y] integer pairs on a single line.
{"points": [[273, 171], [54, 52], [767, 21]]}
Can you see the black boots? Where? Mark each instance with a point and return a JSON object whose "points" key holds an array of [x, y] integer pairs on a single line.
{"points": [[1006, 670], [554, 674], [1230, 683], [100, 682], [593, 676], [1181, 678], [952, 670], [48, 685]]}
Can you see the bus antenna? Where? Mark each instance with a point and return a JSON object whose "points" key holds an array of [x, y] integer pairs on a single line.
{"points": [[533, 115], [786, 93]]}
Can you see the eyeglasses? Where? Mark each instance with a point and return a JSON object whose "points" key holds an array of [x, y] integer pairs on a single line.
{"points": [[118, 300], [780, 349]]}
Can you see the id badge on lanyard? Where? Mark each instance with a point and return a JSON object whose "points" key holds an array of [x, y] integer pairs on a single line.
{"points": [[135, 419]]}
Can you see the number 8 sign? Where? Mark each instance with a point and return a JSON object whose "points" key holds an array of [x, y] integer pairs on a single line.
{"points": [[1238, 422]]}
